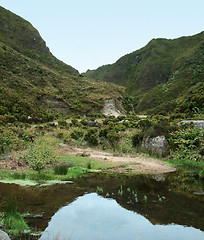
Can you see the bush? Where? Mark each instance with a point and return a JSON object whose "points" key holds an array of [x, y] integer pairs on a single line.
{"points": [[76, 134], [92, 136], [40, 153], [137, 138], [62, 123], [61, 169], [144, 123], [201, 174], [113, 137]]}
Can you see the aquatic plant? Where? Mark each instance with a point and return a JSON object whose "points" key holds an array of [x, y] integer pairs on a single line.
{"points": [[145, 198], [99, 189], [12, 220], [120, 191]]}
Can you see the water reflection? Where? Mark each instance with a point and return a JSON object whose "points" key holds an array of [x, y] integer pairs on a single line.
{"points": [[93, 217]]}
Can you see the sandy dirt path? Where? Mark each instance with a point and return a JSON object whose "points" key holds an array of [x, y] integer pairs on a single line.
{"points": [[133, 164]]}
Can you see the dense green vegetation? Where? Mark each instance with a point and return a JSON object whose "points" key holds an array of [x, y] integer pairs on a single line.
{"points": [[12, 220], [37, 87], [163, 77], [38, 147]]}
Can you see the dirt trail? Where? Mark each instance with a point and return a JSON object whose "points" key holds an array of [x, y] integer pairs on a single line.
{"points": [[136, 164]]}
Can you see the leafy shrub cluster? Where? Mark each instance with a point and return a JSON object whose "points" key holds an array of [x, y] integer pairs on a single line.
{"points": [[60, 169], [40, 153], [186, 143], [186, 148], [15, 138]]}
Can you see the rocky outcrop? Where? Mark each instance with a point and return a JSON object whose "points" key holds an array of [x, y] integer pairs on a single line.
{"points": [[196, 123], [4, 236], [112, 107], [158, 145]]}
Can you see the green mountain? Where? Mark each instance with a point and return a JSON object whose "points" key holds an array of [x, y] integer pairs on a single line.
{"points": [[163, 77], [33, 83]]}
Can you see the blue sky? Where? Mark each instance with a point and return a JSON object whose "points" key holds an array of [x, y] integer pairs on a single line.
{"points": [[89, 33]]}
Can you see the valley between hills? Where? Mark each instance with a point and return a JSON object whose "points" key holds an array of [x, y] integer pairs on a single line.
{"points": [[119, 120]]}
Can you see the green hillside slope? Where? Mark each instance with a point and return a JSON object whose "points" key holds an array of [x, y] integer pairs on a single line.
{"points": [[33, 83], [161, 75]]}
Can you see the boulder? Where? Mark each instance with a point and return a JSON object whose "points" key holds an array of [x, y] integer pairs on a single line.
{"points": [[196, 123], [63, 145], [157, 145], [4, 236]]}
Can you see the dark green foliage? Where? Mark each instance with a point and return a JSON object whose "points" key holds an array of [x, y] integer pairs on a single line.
{"points": [[62, 123], [144, 123], [76, 134], [137, 138], [34, 85], [159, 126], [186, 144], [92, 136], [113, 137], [61, 169], [18, 175], [12, 220], [161, 77]]}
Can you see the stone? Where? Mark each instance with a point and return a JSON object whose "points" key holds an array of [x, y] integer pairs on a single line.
{"points": [[63, 145], [4, 236], [91, 123], [157, 145], [196, 123]]}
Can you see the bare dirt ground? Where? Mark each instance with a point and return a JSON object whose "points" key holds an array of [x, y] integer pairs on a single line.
{"points": [[121, 164], [13, 163], [133, 164]]}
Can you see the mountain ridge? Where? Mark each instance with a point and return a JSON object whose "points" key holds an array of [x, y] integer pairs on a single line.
{"points": [[147, 71], [35, 86]]}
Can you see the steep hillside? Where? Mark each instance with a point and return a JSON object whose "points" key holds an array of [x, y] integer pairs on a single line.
{"points": [[33, 83], [161, 74], [24, 38]]}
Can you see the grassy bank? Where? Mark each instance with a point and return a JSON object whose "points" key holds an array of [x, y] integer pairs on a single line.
{"points": [[39, 148]]}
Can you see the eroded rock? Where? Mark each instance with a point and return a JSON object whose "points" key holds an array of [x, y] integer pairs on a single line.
{"points": [[196, 123], [157, 145], [4, 236]]}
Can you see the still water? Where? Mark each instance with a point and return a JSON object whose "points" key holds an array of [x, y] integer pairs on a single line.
{"points": [[106, 207], [94, 217]]}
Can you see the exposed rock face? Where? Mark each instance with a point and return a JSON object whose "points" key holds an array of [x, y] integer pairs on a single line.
{"points": [[4, 236], [112, 108], [157, 144], [197, 123]]}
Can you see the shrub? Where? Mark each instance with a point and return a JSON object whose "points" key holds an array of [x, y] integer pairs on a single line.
{"points": [[75, 123], [76, 134], [113, 137], [144, 123], [92, 136], [62, 123], [201, 174], [61, 169], [137, 138], [40, 153]]}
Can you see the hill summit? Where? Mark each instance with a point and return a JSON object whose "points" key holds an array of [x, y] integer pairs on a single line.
{"points": [[35, 85], [164, 76]]}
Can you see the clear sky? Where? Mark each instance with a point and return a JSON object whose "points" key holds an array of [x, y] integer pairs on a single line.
{"points": [[89, 33]]}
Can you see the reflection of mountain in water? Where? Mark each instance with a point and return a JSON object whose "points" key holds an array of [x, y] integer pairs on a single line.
{"points": [[149, 197], [94, 217]]}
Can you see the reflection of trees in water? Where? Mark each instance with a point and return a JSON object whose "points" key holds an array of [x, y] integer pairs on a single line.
{"points": [[150, 197]]}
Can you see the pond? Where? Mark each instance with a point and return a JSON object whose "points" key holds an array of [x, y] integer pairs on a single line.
{"points": [[94, 217], [112, 207]]}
